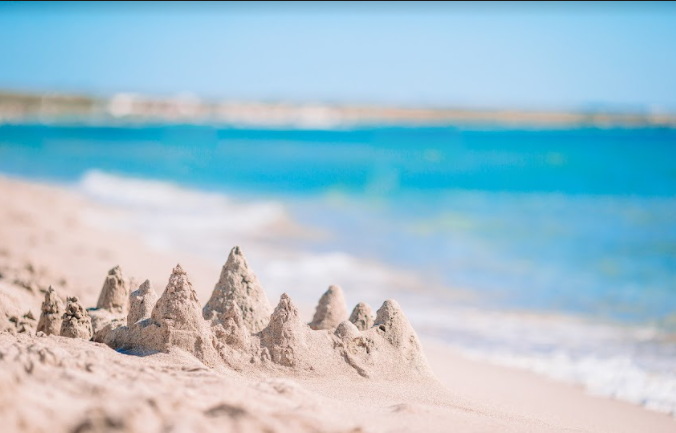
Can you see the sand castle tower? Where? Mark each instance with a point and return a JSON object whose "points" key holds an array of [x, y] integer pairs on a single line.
{"points": [[238, 283], [394, 326], [141, 303], [286, 334], [231, 328], [76, 322], [50, 317], [113, 301], [115, 292], [176, 320], [331, 309], [362, 316]]}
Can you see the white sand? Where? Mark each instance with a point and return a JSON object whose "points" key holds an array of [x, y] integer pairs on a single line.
{"points": [[208, 371]]}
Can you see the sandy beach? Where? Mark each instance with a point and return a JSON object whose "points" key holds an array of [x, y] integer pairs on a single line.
{"points": [[311, 380]]}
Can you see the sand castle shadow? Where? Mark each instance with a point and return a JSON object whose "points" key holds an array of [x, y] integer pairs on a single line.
{"points": [[238, 329], [137, 353]]}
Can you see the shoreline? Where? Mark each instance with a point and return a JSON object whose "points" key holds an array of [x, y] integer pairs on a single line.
{"points": [[43, 228], [136, 108]]}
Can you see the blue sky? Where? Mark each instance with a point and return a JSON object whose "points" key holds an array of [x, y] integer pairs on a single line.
{"points": [[502, 56]]}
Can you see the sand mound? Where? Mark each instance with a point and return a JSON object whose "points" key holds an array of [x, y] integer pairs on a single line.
{"points": [[362, 316], [238, 283], [76, 322], [51, 315], [331, 309], [12, 319]]}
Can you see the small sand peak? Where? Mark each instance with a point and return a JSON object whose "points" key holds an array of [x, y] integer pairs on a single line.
{"points": [[52, 303], [178, 305], [51, 313], [239, 283], [76, 322], [176, 321], [145, 288], [115, 292], [362, 316], [285, 335], [331, 309], [347, 330], [231, 328], [236, 259], [178, 270], [395, 327], [232, 311], [388, 311], [285, 310], [141, 303], [236, 253]]}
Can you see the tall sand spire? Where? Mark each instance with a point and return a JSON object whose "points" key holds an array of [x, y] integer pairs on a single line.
{"points": [[331, 309], [178, 306], [50, 316], [176, 320], [113, 301], [239, 283]]}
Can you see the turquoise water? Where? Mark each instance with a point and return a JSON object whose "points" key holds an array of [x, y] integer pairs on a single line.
{"points": [[579, 221]]}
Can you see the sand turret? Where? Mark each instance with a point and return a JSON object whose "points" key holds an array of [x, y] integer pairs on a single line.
{"points": [[76, 322], [113, 303], [115, 292], [331, 309], [362, 316], [230, 328], [141, 303], [238, 283], [394, 326], [176, 320], [285, 335], [178, 307], [51, 314]]}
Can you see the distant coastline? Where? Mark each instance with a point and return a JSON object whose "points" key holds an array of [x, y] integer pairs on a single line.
{"points": [[132, 108]]}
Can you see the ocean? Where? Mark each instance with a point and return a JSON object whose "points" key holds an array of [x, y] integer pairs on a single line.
{"points": [[547, 249]]}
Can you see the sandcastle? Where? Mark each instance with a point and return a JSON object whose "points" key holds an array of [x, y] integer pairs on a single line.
{"points": [[238, 283], [331, 309], [51, 315], [362, 316], [76, 322], [236, 328], [113, 301]]}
